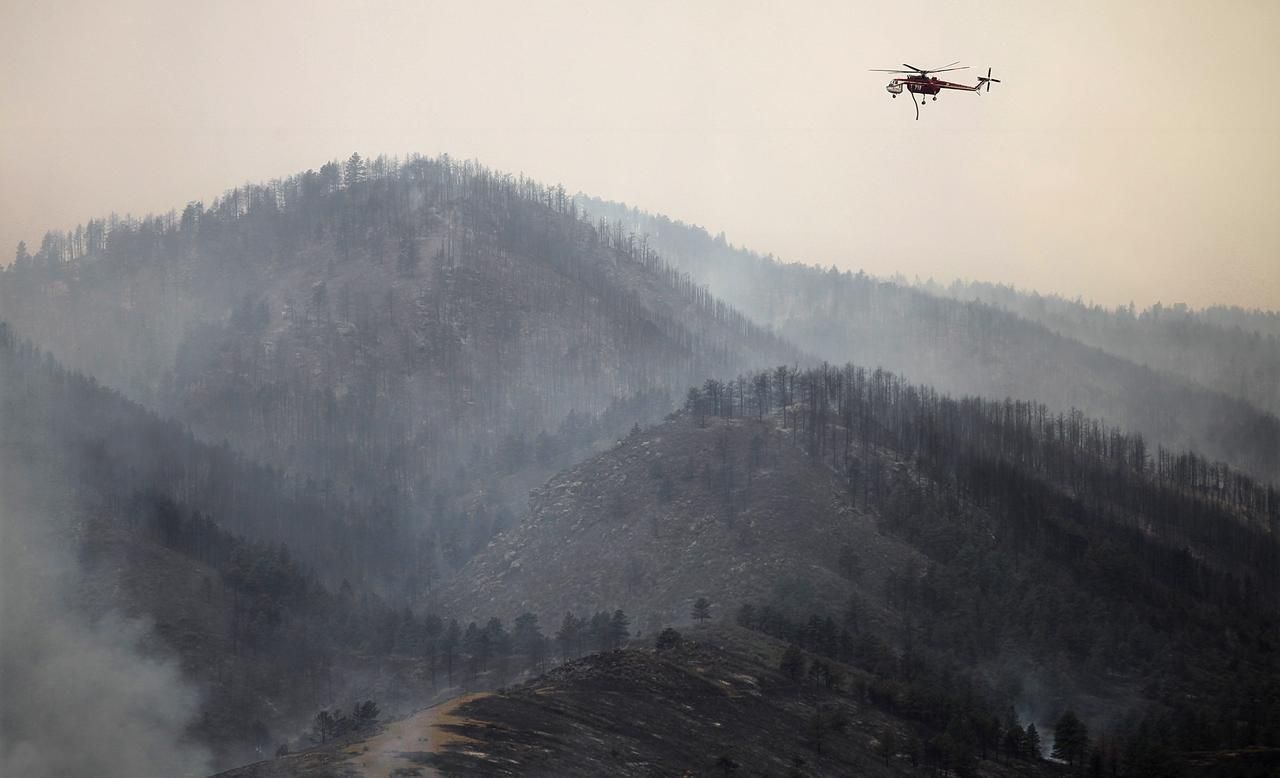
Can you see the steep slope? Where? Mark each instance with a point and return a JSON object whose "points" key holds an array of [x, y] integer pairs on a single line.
{"points": [[409, 335], [1052, 554], [397, 749], [716, 704], [731, 511], [118, 568], [971, 347], [83, 444]]}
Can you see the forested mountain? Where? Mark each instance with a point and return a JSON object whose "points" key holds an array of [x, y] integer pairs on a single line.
{"points": [[206, 588], [144, 516], [428, 339], [361, 434], [64, 425], [1070, 564], [1235, 352], [1247, 319], [972, 347]]}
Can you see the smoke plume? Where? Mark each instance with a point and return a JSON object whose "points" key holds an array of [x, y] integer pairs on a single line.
{"points": [[77, 694]]}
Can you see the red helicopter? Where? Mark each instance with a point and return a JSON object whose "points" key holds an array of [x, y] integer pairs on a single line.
{"points": [[922, 82]]}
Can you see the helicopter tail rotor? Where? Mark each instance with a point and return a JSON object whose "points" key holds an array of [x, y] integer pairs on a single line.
{"points": [[987, 81]]}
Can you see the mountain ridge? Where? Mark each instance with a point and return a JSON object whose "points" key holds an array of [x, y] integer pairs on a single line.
{"points": [[429, 337], [966, 346]]}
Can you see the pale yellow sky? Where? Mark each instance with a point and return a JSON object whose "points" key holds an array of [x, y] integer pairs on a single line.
{"points": [[1131, 153]]}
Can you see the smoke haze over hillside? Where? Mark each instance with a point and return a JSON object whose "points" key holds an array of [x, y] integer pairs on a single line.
{"points": [[78, 695], [572, 389]]}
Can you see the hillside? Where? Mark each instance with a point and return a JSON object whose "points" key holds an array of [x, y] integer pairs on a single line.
{"points": [[431, 337], [1212, 394], [1231, 351], [731, 511], [713, 704], [335, 391], [85, 447], [1056, 558], [187, 640]]}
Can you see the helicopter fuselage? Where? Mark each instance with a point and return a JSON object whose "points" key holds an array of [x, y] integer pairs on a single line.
{"points": [[924, 86]]}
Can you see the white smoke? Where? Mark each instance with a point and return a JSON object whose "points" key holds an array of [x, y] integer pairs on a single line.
{"points": [[77, 694]]}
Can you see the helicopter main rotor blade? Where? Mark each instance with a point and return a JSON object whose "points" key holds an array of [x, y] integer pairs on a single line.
{"points": [[942, 69], [884, 70]]}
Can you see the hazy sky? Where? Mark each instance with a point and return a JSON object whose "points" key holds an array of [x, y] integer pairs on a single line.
{"points": [[1132, 152]]}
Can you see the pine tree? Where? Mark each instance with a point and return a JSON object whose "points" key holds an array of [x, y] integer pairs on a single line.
{"points": [[365, 713], [599, 628], [569, 636], [327, 724], [668, 639], [1015, 741], [432, 627], [1032, 744], [792, 664], [355, 170], [701, 609], [1070, 739], [449, 645], [619, 630], [528, 639]]}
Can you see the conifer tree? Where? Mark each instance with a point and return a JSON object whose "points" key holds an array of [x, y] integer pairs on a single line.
{"points": [[1032, 744], [668, 639], [619, 629], [1070, 739], [792, 664], [569, 636]]}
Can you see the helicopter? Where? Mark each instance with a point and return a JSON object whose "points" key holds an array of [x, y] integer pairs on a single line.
{"points": [[921, 82]]}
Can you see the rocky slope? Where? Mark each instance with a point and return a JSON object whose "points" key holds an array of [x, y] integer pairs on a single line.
{"points": [[731, 511]]}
